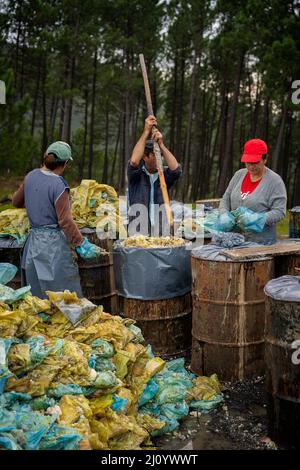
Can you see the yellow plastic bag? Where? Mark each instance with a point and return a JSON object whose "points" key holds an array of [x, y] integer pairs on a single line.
{"points": [[204, 388], [16, 323], [14, 222]]}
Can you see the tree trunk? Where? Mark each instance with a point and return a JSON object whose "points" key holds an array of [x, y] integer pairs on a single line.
{"points": [[35, 100], [85, 132], [223, 127], [179, 109], [277, 155], [193, 96], [44, 107], [228, 157], [17, 54], [174, 106], [266, 113], [67, 112], [92, 123], [115, 153], [105, 163], [54, 109]]}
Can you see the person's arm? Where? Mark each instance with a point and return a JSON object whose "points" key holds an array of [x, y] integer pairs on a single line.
{"points": [[168, 156], [18, 199], [138, 151], [65, 219], [278, 201]]}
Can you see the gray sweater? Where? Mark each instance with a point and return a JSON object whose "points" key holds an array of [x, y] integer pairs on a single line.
{"points": [[269, 197]]}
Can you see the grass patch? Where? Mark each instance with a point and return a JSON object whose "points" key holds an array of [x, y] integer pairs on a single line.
{"points": [[283, 227]]}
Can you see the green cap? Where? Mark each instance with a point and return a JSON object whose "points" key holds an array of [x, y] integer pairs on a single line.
{"points": [[61, 150]]}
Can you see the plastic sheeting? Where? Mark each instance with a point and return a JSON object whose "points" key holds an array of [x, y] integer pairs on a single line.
{"points": [[152, 274], [228, 239], [285, 288], [213, 252]]}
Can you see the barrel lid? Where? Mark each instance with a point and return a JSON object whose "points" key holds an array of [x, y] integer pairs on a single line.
{"points": [[212, 252], [285, 288]]}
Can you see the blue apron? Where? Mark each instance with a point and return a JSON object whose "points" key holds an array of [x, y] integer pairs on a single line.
{"points": [[48, 262], [47, 259]]}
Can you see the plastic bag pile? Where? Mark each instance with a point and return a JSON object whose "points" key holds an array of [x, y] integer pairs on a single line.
{"points": [[14, 223], [88, 386], [94, 205], [141, 241]]}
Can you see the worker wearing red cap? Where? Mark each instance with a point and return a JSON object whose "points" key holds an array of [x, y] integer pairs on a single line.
{"points": [[257, 188]]}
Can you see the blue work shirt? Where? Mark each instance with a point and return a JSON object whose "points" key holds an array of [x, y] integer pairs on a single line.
{"points": [[140, 190]]}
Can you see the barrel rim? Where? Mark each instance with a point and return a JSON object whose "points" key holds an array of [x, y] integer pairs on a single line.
{"points": [[242, 261]]}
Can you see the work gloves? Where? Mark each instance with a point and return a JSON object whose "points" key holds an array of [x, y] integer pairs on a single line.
{"points": [[249, 221], [88, 250], [240, 219]]}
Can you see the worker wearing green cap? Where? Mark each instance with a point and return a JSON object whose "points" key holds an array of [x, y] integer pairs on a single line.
{"points": [[47, 260]]}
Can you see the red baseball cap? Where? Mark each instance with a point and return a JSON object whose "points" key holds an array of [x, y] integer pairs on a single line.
{"points": [[253, 150]]}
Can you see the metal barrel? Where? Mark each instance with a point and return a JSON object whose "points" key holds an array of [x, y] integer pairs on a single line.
{"points": [[10, 252], [294, 222], [166, 324], [97, 276], [282, 359], [229, 317]]}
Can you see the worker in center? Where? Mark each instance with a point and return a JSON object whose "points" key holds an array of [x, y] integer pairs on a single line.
{"points": [[147, 215]]}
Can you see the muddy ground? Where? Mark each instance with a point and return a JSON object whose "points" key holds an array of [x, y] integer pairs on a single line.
{"points": [[239, 423]]}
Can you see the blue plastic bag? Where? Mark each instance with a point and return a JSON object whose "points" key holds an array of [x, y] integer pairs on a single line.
{"points": [[206, 405], [118, 403], [9, 296], [175, 410], [100, 363], [7, 272], [171, 425], [149, 392], [104, 348]]}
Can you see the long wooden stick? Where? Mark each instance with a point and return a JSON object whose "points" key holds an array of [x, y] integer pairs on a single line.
{"points": [[156, 148]]}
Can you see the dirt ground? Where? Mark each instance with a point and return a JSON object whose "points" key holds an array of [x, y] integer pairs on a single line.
{"points": [[239, 423]]}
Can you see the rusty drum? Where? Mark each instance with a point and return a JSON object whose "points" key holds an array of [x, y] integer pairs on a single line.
{"points": [[97, 276], [283, 359], [166, 324], [229, 317]]}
